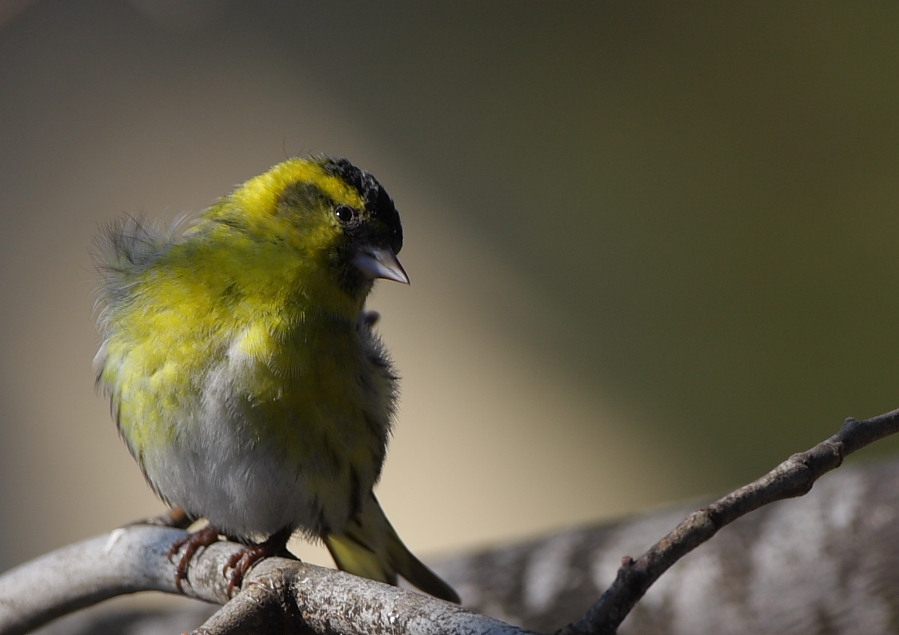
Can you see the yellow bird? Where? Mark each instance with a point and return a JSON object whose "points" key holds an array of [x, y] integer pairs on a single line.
{"points": [[243, 371]]}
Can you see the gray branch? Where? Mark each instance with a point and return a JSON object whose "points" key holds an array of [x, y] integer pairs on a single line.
{"points": [[823, 564], [277, 591], [794, 477]]}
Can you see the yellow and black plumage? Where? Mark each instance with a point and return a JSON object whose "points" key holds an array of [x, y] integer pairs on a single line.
{"points": [[242, 368]]}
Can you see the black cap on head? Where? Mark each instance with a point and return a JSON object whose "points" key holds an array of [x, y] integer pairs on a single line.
{"points": [[377, 202]]}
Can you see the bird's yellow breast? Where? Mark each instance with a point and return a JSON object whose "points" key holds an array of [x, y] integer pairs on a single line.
{"points": [[244, 325]]}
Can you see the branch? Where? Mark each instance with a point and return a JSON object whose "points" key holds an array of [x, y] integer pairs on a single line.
{"points": [[281, 595], [794, 477], [278, 595]]}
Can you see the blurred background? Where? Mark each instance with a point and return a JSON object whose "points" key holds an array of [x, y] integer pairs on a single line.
{"points": [[652, 247]]}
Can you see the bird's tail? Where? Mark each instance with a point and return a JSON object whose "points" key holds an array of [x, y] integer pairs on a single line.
{"points": [[369, 547]]}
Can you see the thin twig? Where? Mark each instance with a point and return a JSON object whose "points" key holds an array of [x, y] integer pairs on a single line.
{"points": [[794, 477]]}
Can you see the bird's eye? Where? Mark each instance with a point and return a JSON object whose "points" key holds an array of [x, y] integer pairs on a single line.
{"points": [[345, 214]]}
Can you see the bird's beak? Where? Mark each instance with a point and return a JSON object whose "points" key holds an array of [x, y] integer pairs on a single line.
{"points": [[380, 262]]}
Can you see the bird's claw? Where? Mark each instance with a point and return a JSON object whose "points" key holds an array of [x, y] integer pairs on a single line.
{"points": [[191, 543], [243, 560]]}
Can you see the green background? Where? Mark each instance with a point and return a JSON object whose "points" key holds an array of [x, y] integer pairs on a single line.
{"points": [[652, 246]]}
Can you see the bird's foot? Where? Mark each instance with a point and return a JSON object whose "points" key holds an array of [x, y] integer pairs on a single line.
{"points": [[240, 562], [191, 543]]}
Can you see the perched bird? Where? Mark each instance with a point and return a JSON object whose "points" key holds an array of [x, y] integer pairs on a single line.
{"points": [[243, 371]]}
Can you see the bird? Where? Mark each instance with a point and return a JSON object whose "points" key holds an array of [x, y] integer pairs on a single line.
{"points": [[244, 372]]}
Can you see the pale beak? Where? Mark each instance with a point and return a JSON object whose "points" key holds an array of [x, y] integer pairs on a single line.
{"points": [[380, 262]]}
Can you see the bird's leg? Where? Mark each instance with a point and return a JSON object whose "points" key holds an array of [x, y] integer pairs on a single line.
{"points": [[240, 562], [191, 543]]}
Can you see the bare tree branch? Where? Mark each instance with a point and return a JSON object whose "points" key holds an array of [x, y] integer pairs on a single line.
{"points": [[823, 564], [281, 595], [793, 477], [275, 592]]}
